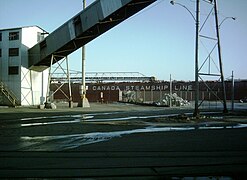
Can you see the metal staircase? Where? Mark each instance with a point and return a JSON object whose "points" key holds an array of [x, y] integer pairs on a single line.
{"points": [[9, 94]]}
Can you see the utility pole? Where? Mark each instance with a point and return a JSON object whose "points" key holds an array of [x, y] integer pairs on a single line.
{"points": [[84, 99], [196, 110], [220, 60]]}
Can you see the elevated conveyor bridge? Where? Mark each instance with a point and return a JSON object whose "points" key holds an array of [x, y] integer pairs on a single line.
{"points": [[87, 25]]}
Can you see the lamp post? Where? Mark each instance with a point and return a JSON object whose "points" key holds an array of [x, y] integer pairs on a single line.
{"points": [[233, 18], [197, 21], [173, 3], [232, 92], [220, 59], [232, 95], [170, 99]]}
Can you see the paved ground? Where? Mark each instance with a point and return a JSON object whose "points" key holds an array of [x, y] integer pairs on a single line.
{"points": [[118, 141]]}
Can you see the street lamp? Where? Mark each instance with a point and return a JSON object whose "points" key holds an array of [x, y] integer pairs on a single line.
{"points": [[197, 21], [233, 18], [173, 3], [232, 98]]}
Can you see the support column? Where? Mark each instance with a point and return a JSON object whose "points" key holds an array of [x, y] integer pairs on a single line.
{"points": [[196, 110], [48, 103], [47, 100], [220, 60], [84, 100], [69, 84], [42, 98]]}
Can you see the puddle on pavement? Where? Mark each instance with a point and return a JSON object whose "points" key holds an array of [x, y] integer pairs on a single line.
{"points": [[128, 118], [61, 119], [68, 116], [50, 123], [78, 119], [84, 118], [66, 142], [203, 178]]}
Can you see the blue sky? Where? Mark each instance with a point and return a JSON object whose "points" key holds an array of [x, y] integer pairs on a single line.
{"points": [[156, 42]]}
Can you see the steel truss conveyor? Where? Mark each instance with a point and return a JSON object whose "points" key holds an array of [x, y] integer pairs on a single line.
{"points": [[90, 23]]}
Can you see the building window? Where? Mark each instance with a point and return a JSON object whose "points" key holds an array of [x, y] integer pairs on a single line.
{"points": [[13, 51], [0, 36], [13, 36], [13, 70], [42, 44], [40, 36]]}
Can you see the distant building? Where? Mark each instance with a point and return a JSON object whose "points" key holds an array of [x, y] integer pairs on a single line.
{"points": [[16, 86]]}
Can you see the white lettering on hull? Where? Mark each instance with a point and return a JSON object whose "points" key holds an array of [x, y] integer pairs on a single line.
{"points": [[142, 88]]}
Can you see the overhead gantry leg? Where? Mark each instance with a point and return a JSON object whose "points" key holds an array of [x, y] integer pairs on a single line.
{"points": [[69, 84], [50, 94]]}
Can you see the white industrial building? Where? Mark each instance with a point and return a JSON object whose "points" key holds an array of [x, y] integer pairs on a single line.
{"points": [[18, 84]]}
